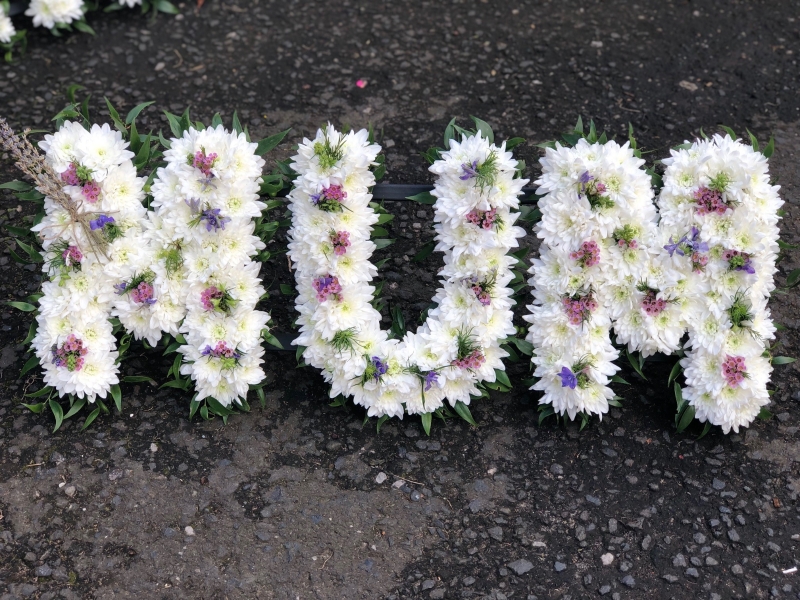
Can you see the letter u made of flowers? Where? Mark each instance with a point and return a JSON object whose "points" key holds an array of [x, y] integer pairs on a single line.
{"points": [[719, 230], [596, 269], [92, 240], [202, 276], [458, 345]]}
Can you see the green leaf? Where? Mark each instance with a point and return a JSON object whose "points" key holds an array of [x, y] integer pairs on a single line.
{"points": [[134, 112], [678, 396], [16, 186], [298, 354], [378, 232], [782, 360], [502, 377], [618, 379], [116, 394], [35, 408], [753, 140], [384, 218], [484, 128], [514, 142], [449, 133], [75, 408], [268, 143], [579, 125], [424, 252], [383, 243], [204, 412], [271, 339], [706, 429], [427, 419], [764, 414], [55, 408], [544, 412], [729, 131], [423, 198], [23, 306], [686, 418], [138, 379], [287, 290], [615, 401], [83, 26], [793, 279], [165, 6], [115, 118], [770, 148], [193, 406], [174, 124], [635, 364], [524, 346], [217, 408], [675, 373], [462, 410], [32, 362], [262, 397], [90, 419], [180, 384], [42, 392]]}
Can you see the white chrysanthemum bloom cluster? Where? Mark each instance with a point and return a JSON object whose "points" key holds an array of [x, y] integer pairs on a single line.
{"points": [[202, 241], [459, 344], [7, 30], [49, 13], [719, 230], [74, 340], [595, 269]]}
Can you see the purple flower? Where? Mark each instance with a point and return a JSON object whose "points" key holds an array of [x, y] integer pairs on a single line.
{"points": [[194, 205], [207, 182], [470, 170], [673, 247], [694, 245], [431, 377], [585, 178], [213, 219], [121, 288], [100, 222], [568, 378], [380, 367]]}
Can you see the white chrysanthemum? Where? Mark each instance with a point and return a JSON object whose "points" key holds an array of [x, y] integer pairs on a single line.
{"points": [[7, 30], [47, 13], [61, 147]]}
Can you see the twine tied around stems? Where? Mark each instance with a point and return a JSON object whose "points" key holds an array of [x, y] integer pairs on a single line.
{"points": [[28, 160]]}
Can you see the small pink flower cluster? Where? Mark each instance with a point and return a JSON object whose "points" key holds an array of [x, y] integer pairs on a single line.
{"points": [[72, 256], [483, 219], [734, 370], [588, 255], [699, 262], [70, 354], [709, 201], [653, 305], [327, 286], [328, 196], [204, 162], [473, 360], [633, 244], [580, 309], [482, 295], [143, 293], [70, 176], [340, 241], [91, 191], [221, 350], [209, 294]]}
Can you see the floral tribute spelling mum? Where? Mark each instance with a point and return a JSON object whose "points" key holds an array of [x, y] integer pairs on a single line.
{"points": [[458, 345], [202, 239], [719, 230], [597, 269], [91, 236]]}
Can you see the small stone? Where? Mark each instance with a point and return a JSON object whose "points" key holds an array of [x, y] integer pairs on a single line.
{"points": [[70, 490], [692, 572], [496, 533], [646, 542], [632, 479], [437, 594], [415, 496], [169, 532], [612, 526], [30, 557], [43, 571], [593, 500], [688, 85], [559, 566], [670, 578], [115, 474], [521, 566], [699, 538], [773, 547], [153, 447], [679, 560], [718, 484], [556, 469], [737, 569], [188, 530], [604, 590], [597, 44], [733, 535], [428, 584], [711, 561], [380, 477], [607, 559], [467, 581], [628, 581]]}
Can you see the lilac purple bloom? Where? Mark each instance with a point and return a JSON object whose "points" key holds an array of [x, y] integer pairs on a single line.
{"points": [[101, 222], [431, 377], [470, 170], [213, 219], [568, 378]]}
